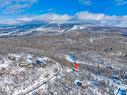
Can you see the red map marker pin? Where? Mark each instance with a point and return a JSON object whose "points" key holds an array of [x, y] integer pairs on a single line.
{"points": [[76, 66]]}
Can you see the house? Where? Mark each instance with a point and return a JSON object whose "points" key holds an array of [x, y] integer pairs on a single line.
{"points": [[121, 91], [78, 83], [40, 61], [71, 58]]}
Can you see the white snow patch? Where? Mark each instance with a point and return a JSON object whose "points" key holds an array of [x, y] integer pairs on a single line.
{"points": [[68, 69], [3, 65]]}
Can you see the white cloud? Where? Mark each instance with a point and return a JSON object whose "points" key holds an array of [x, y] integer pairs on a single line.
{"points": [[116, 2], [89, 16], [10, 22], [86, 2], [54, 18], [93, 16], [15, 6], [101, 19], [48, 18], [121, 2]]}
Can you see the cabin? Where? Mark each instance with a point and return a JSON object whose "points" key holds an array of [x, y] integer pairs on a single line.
{"points": [[78, 83], [121, 91], [40, 62]]}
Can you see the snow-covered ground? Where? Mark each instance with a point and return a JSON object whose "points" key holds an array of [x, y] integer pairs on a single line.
{"points": [[20, 80]]}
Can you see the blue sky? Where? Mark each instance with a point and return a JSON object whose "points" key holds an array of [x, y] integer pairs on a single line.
{"points": [[17, 11]]}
